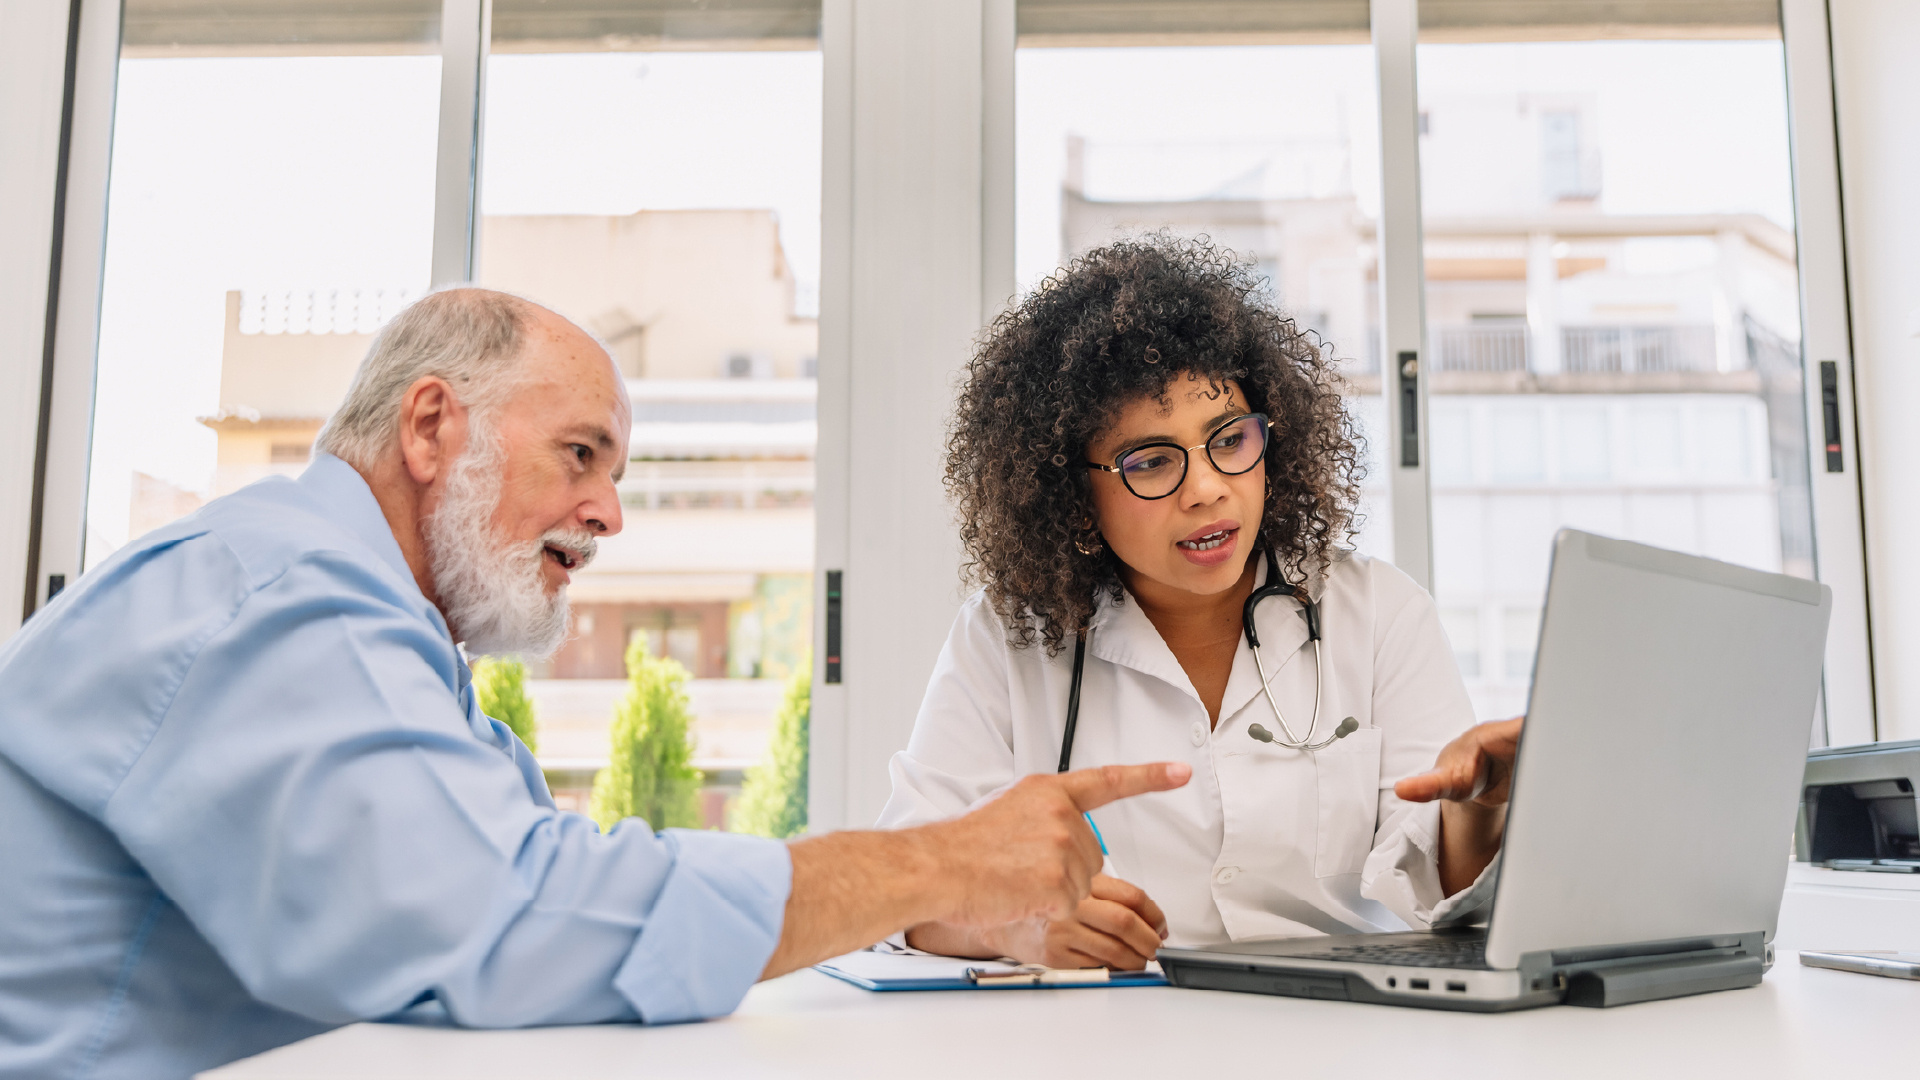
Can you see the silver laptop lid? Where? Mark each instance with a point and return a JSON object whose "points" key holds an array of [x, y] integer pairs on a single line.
{"points": [[1655, 789]]}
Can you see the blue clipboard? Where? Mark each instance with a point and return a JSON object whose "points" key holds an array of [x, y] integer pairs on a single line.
{"points": [[883, 972]]}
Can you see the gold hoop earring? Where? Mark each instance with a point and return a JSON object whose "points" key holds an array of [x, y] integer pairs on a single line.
{"points": [[1092, 547]]}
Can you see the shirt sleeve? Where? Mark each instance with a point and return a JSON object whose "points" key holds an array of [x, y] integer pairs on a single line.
{"points": [[316, 803], [1420, 703]]}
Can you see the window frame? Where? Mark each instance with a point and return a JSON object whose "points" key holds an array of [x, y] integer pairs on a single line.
{"points": [[857, 723], [56, 525], [1848, 707]]}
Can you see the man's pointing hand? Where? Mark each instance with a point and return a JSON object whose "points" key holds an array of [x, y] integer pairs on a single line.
{"points": [[1028, 852]]}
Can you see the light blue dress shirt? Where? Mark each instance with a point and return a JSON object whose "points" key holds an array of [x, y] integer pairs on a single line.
{"points": [[246, 796]]}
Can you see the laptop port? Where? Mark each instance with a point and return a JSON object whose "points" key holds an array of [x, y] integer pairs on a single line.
{"points": [[1417, 984], [1392, 982], [1457, 987]]}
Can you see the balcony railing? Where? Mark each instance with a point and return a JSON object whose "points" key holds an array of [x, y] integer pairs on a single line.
{"points": [[1499, 347], [717, 485], [1487, 347], [1629, 349]]}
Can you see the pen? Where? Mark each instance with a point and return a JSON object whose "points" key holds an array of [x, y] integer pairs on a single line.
{"points": [[1097, 836]]}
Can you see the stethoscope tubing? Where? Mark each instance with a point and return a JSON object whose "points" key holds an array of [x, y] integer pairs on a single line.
{"points": [[1073, 698], [1292, 741]]}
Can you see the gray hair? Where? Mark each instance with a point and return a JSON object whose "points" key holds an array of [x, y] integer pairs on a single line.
{"points": [[470, 337]]}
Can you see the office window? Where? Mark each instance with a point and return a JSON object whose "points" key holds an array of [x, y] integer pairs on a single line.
{"points": [[1462, 626], [1254, 125], [1515, 450], [270, 205], [1584, 442], [1450, 444], [653, 173], [1568, 167], [1519, 633], [1612, 285]]}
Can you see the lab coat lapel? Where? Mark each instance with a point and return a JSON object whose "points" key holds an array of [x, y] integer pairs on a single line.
{"points": [[1122, 634]]}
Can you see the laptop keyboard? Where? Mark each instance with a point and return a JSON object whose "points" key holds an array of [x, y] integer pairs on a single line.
{"points": [[1433, 953]]}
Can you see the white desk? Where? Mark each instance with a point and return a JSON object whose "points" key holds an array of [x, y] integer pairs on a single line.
{"points": [[1801, 1022], [1839, 910]]}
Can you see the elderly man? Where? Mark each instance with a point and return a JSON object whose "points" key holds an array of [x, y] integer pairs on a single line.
{"points": [[245, 793]]}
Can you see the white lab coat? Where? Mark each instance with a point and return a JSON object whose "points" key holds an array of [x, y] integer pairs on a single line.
{"points": [[1263, 841]]}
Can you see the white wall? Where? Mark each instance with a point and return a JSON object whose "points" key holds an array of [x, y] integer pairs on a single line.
{"points": [[1877, 87], [33, 51]]}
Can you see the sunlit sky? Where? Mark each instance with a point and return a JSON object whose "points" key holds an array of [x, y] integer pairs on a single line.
{"points": [[318, 172]]}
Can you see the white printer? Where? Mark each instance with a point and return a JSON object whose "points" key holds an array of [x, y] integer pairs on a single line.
{"points": [[1858, 808]]}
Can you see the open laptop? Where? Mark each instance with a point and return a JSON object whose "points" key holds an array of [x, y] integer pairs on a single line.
{"points": [[1653, 801]]}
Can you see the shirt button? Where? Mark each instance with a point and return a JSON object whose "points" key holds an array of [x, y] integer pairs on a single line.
{"points": [[1225, 875], [1199, 734]]}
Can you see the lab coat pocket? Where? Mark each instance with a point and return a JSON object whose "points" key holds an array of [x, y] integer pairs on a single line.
{"points": [[1348, 774]]}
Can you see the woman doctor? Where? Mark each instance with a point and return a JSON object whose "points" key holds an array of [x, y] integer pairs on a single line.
{"points": [[1139, 446]]}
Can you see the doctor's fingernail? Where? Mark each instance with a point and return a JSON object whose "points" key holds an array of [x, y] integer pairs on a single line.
{"points": [[1179, 770]]}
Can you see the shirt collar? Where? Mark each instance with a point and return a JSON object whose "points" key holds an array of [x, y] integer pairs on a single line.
{"points": [[340, 487], [1120, 633]]}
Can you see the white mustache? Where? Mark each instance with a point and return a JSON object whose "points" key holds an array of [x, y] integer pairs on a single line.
{"points": [[579, 543]]}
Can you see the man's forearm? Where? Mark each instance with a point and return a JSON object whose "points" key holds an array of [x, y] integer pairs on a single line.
{"points": [[1027, 852], [850, 889]]}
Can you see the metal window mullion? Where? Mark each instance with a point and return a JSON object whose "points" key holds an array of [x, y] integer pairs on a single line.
{"points": [[465, 29], [1838, 526], [1402, 275], [997, 45], [58, 526], [827, 730]]}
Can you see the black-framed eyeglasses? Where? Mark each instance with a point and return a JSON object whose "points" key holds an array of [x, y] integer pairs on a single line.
{"points": [[1157, 470]]}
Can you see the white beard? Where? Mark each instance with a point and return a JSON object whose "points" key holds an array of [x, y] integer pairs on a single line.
{"points": [[492, 591]]}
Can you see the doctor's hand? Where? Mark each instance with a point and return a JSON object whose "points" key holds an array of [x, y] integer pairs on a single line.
{"points": [[1473, 776], [1475, 768], [1117, 926]]}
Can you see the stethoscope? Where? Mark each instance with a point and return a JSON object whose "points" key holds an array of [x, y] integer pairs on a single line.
{"points": [[1275, 586]]}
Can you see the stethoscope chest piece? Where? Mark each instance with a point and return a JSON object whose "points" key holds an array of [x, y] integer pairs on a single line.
{"points": [[1259, 733]]}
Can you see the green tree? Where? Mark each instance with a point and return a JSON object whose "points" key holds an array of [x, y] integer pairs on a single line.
{"points": [[651, 775], [500, 684], [773, 801]]}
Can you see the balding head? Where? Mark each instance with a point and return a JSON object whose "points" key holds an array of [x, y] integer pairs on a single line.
{"points": [[475, 339], [493, 433]]}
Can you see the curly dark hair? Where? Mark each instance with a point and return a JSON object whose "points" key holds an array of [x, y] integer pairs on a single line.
{"points": [[1117, 324]]}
